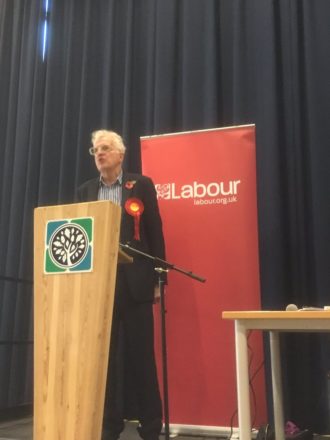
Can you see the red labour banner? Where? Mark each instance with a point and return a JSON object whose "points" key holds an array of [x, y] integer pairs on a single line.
{"points": [[206, 186]]}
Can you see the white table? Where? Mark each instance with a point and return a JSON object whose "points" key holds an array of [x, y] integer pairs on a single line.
{"points": [[273, 322]]}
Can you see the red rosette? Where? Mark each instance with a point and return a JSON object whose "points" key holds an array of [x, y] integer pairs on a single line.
{"points": [[135, 208]]}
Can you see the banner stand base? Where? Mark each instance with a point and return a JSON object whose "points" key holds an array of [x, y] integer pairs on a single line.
{"points": [[206, 431]]}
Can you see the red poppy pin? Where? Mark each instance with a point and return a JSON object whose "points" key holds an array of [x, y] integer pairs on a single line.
{"points": [[129, 184], [135, 208]]}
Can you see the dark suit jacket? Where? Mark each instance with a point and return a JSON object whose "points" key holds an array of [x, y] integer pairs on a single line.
{"points": [[141, 277]]}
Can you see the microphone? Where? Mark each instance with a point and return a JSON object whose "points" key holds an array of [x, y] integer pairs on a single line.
{"points": [[291, 308]]}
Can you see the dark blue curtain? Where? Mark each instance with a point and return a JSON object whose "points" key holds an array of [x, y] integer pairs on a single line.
{"points": [[146, 67]]}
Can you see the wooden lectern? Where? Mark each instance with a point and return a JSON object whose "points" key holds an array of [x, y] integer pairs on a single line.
{"points": [[76, 250]]}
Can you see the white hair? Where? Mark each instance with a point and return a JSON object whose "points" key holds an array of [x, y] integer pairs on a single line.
{"points": [[112, 136]]}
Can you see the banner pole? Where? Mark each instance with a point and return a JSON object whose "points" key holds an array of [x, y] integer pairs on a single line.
{"points": [[159, 270]]}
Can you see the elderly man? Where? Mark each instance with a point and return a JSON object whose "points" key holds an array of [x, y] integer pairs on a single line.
{"points": [[132, 375]]}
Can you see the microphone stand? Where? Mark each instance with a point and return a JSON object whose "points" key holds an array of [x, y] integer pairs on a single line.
{"points": [[162, 266]]}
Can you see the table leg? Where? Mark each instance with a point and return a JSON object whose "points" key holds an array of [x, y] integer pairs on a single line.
{"points": [[243, 390], [277, 384]]}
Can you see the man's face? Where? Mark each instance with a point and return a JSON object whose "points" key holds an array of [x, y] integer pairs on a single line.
{"points": [[107, 157]]}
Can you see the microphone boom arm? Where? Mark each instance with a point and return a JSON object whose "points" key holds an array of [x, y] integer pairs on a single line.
{"points": [[164, 264]]}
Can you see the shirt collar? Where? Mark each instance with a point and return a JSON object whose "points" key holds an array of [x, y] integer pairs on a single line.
{"points": [[119, 180]]}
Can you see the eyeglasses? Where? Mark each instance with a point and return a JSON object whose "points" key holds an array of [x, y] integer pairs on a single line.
{"points": [[102, 148]]}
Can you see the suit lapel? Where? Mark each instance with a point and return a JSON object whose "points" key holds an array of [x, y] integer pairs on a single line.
{"points": [[93, 190], [128, 188]]}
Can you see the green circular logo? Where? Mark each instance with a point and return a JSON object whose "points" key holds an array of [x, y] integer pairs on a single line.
{"points": [[68, 245]]}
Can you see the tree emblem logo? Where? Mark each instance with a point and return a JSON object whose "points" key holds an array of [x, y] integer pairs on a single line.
{"points": [[69, 245]]}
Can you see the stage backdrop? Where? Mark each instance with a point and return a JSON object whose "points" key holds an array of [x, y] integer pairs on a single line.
{"points": [[206, 185]]}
